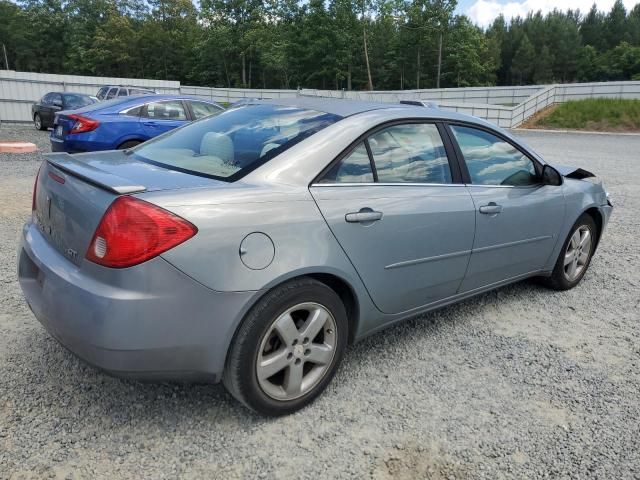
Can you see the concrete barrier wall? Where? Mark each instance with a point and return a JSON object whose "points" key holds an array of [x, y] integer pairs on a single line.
{"points": [[505, 106], [19, 90]]}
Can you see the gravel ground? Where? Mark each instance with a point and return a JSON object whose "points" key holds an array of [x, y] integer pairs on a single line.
{"points": [[517, 383]]}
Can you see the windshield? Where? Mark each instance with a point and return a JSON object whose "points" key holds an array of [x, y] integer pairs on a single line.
{"points": [[230, 144]]}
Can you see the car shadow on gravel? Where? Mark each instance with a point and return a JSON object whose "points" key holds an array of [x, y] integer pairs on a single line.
{"points": [[59, 379]]}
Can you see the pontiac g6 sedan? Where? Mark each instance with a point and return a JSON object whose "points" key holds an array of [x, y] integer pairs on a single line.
{"points": [[252, 246]]}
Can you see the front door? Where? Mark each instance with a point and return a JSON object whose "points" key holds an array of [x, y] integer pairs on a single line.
{"points": [[396, 206], [517, 218]]}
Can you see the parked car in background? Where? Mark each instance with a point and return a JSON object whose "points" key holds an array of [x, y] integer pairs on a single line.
{"points": [[252, 246], [109, 92], [125, 122], [44, 110]]}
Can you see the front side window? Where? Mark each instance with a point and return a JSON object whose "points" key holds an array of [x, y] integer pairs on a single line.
{"points": [[48, 99], [112, 93], [173, 110], [492, 161], [202, 109], [233, 142], [410, 153]]}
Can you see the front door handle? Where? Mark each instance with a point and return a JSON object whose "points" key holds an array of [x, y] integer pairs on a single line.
{"points": [[365, 215], [491, 209]]}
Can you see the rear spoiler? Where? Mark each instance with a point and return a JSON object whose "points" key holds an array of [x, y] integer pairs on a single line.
{"points": [[105, 180]]}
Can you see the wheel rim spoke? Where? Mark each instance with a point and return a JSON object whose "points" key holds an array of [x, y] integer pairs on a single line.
{"points": [[319, 354], [568, 258], [272, 364], [286, 328], [315, 322], [582, 259], [293, 379], [585, 241]]}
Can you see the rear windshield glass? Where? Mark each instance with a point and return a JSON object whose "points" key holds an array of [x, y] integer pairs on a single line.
{"points": [[230, 144]]}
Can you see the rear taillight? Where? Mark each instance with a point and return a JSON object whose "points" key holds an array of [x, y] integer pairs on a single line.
{"points": [[83, 124], [35, 190], [133, 231]]}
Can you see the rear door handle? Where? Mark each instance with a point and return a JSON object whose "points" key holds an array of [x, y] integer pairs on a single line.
{"points": [[491, 209], [365, 215]]}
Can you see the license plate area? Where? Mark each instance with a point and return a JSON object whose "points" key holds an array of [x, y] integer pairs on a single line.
{"points": [[58, 131]]}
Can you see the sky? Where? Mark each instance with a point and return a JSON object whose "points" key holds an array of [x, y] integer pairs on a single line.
{"points": [[483, 12]]}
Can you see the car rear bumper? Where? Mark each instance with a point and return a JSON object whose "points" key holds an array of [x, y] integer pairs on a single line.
{"points": [[149, 322]]}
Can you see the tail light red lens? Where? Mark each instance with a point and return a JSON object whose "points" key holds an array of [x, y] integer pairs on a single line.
{"points": [[83, 124], [133, 231]]}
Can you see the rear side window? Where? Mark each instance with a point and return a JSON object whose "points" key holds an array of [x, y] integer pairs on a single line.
{"points": [[72, 101], [123, 92], [202, 109], [354, 168], [492, 161], [231, 143], [173, 110], [411, 153]]}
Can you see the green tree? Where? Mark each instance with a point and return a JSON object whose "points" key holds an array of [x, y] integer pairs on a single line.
{"points": [[523, 62]]}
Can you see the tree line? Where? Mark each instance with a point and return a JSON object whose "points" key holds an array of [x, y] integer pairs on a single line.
{"points": [[327, 44]]}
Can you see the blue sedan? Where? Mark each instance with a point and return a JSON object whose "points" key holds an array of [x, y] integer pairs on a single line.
{"points": [[124, 123]]}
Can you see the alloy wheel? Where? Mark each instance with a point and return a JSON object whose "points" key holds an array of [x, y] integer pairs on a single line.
{"points": [[297, 351], [577, 254]]}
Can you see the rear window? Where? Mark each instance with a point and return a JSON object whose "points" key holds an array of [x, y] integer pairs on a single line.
{"points": [[230, 144]]}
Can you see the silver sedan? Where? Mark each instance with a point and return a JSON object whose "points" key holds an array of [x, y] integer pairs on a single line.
{"points": [[252, 246]]}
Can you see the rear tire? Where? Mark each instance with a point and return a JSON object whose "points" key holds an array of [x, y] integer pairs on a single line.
{"points": [[128, 144], [575, 257], [288, 348], [37, 122]]}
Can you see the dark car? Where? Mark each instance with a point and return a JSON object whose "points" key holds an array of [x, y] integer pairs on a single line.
{"points": [[44, 110], [109, 92], [125, 122]]}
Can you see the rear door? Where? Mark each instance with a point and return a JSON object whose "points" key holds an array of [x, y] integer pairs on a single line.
{"points": [[162, 116], [517, 218], [397, 206]]}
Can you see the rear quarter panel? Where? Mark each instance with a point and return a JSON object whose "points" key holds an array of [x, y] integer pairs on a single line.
{"points": [[302, 241]]}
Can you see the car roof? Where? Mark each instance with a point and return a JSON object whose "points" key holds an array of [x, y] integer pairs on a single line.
{"points": [[117, 104], [347, 108], [335, 106]]}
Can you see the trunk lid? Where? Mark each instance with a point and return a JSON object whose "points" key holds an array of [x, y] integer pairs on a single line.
{"points": [[73, 192]]}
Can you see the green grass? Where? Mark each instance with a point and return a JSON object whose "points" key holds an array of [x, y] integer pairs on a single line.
{"points": [[601, 114]]}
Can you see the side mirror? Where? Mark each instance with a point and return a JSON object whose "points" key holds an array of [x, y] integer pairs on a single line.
{"points": [[550, 176]]}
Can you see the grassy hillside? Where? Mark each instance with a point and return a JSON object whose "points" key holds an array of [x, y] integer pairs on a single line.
{"points": [[602, 114]]}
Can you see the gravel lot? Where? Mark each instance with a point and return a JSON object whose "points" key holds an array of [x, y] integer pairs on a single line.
{"points": [[517, 383]]}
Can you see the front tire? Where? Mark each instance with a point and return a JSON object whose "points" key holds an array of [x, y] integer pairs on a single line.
{"points": [[288, 348], [575, 256], [37, 122]]}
